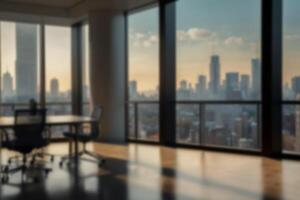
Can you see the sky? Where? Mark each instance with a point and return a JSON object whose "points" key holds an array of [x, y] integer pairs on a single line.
{"points": [[231, 29]]}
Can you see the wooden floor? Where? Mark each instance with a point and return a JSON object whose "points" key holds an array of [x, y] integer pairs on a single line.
{"points": [[143, 172]]}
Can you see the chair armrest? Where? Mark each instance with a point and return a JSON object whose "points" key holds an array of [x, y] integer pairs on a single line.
{"points": [[4, 134]]}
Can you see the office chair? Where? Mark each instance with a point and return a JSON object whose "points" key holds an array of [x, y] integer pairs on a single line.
{"points": [[28, 135], [85, 137]]}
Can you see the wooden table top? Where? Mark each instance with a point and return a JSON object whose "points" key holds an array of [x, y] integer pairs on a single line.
{"points": [[8, 122]]}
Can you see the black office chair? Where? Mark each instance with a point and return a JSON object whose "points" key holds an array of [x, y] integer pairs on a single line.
{"points": [[85, 137], [28, 135]]}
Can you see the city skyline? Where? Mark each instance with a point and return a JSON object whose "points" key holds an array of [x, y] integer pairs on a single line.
{"points": [[58, 52], [54, 92], [234, 86], [201, 33]]}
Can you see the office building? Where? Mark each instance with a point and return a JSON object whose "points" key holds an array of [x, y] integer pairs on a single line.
{"points": [[256, 78], [245, 85], [7, 90], [201, 85], [54, 88], [214, 74], [26, 62]]}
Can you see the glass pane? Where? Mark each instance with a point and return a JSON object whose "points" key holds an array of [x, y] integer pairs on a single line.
{"points": [[20, 45], [291, 128], [148, 122], [143, 57], [86, 99], [291, 50], [188, 123], [58, 63], [218, 51], [131, 121], [232, 126]]}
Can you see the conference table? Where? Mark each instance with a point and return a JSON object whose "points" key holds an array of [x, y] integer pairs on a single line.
{"points": [[73, 121]]}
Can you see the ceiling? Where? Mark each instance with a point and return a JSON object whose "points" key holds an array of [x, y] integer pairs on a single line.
{"points": [[64, 10], [50, 3], [69, 4]]}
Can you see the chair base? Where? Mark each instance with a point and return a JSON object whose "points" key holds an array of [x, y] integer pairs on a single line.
{"points": [[33, 157], [95, 158], [23, 168]]}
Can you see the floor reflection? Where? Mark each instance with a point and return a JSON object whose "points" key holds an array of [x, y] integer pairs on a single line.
{"points": [[152, 172]]}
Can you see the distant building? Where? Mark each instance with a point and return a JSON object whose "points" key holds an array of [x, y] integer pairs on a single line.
{"points": [[215, 74], [183, 85], [133, 93], [54, 88], [7, 86], [296, 86], [232, 86], [254, 134], [184, 91], [201, 84], [26, 61], [256, 78], [245, 85]]}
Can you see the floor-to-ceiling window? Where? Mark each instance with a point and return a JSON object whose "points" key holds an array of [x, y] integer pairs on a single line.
{"points": [[218, 73], [291, 76], [86, 98], [143, 75], [58, 72], [58, 69], [20, 68]]}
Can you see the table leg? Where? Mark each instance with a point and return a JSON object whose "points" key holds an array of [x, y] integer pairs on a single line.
{"points": [[76, 144], [71, 151]]}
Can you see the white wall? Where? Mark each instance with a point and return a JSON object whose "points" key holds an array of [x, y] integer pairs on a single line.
{"points": [[108, 62]]}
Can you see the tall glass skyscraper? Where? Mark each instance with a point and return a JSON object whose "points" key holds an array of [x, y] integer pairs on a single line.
{"points": [[256, 78], [26, 61], [215, 74]]}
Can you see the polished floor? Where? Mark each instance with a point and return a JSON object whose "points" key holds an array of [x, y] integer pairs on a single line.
{"points": [[142, 172]]}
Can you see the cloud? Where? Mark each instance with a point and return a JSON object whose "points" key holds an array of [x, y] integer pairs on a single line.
{"points": [[193, 34], [237, 41], [291, 37], [143, 39]]}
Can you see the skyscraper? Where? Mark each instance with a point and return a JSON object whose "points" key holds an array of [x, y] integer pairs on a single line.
{"points": [[54, 88], [214, 74], [133, 89], [256, 78], [183, 85], [26, 61], [201, 84], [232, 86], [245, 85], [296, 86], [232, 81], [7, 86]]}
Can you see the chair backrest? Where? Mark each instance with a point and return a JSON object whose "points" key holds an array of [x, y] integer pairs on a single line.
{"points": [[29, 127], [96, 114]]}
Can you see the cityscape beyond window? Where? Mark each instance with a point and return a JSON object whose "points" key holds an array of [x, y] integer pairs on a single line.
{"points": [[218, 62], [143, 75], [291, 77], [58, 64], [20, 62]]}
